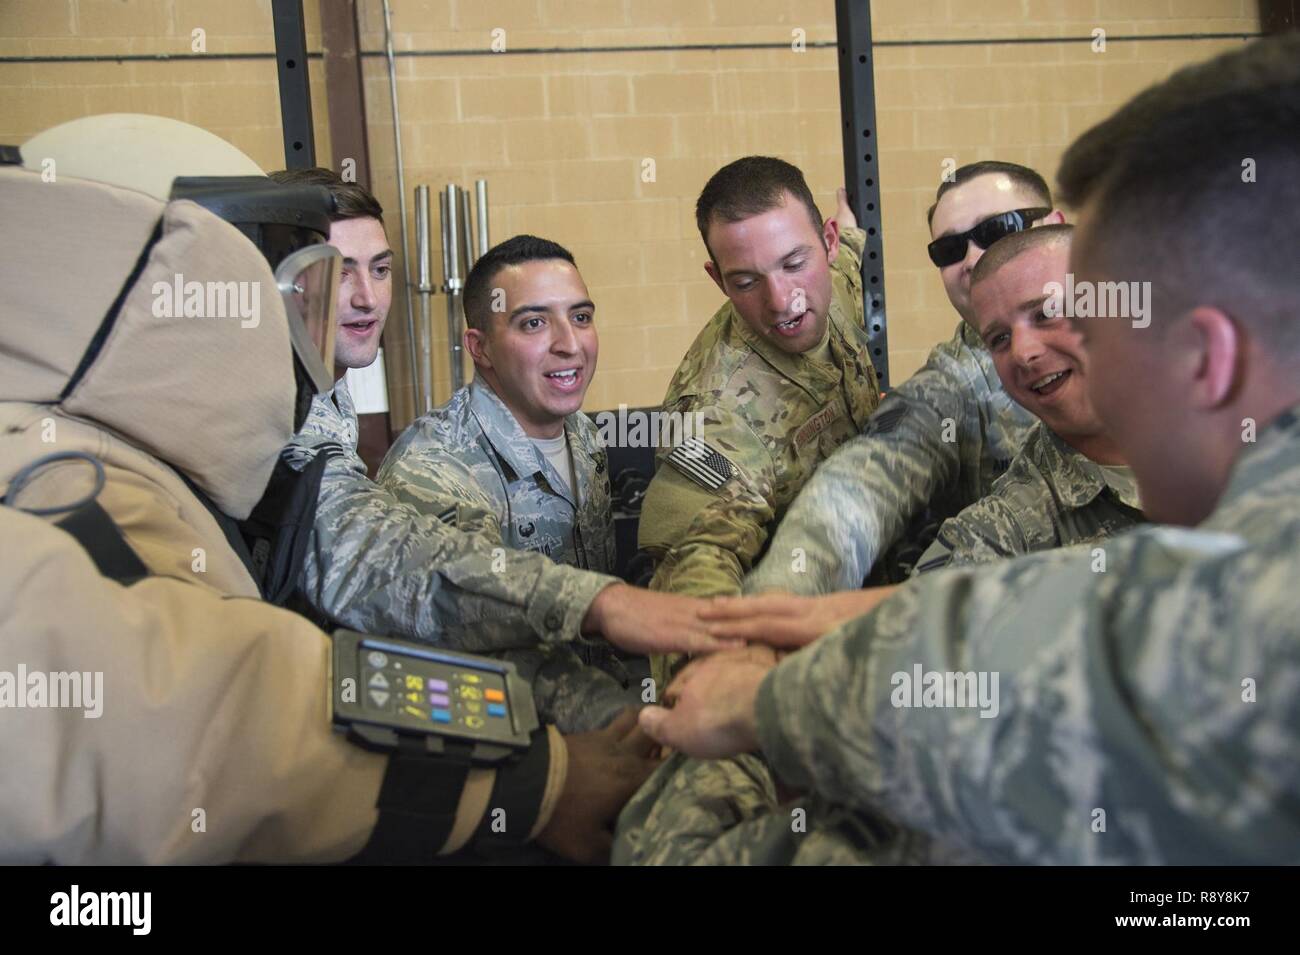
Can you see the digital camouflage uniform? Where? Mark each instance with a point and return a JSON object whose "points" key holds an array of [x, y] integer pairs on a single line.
{"points": [[1147, 714], [378, 565], [774, 417], [471, 465], [1051, 496], [938, 440]]}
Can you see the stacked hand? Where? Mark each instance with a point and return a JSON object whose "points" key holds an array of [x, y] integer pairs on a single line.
{"points": [[647, 621], [605, 768], [713, 699], [786, 620]]}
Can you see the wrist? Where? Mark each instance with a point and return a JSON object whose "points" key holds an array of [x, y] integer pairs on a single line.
{"points": [[597, 613]]}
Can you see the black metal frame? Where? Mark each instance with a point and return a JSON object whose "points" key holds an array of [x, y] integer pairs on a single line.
{"points": [[862, 165], [857, 109], [295, 86]]}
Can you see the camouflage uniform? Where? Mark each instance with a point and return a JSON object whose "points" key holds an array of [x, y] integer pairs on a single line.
{"points": [[774, 417], [938, 440], [471, 465], [1051, 496], [1146, 714], [378, 565]]}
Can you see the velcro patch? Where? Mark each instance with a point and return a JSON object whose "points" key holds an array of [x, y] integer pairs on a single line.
{"points": [[702, 463], [886, 419]]}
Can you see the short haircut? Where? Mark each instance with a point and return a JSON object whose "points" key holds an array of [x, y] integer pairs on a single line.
{"points": [[1023, 177], [1012, 246], [748, 187], [513, 251], [351, 201], [1193, 185]]}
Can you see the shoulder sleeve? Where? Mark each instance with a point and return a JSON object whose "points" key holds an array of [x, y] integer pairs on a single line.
{"points": [[849, 258], [435, 481], [207, 703], [707, 510], [986, 531], [861, 498], [377, 564], [846, 274], [1083, 690], [211, 709]]}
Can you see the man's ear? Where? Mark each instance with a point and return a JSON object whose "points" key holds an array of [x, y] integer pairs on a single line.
{"points": [[831, 236], [1055, 217], [712, 269], [1218, 350], [476, 343]]}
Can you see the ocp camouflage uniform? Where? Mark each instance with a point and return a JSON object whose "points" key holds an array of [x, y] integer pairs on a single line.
{"points": [[378, 565], [471, 465], [1146, 714], [938, 441], [1051, 496], [773, 416]]}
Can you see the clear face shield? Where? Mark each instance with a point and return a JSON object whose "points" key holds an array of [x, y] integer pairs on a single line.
{"points": [[308, 281]]}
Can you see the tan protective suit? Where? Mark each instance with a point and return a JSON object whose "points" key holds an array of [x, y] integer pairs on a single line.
{"points": [[212, 699]]}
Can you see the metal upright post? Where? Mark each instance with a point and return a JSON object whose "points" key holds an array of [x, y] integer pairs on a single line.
{"points": [[295, 86], [481, 212], [401, 195], [468, 255], [423, 254], [862, 165], [451, 239]]}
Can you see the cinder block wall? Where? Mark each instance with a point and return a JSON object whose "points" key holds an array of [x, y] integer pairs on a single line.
{"points": [[563, 137]]}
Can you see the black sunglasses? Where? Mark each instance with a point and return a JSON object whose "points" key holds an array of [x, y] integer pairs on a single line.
{"points": [[949, 249]]}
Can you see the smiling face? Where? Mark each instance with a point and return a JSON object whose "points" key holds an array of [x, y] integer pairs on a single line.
{"points": [[962, 208], [365, 290], [1039, 358], [775, 269], [540, 355]]}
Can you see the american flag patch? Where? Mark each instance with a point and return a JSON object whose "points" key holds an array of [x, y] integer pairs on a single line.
{"points": [[702, 463]]}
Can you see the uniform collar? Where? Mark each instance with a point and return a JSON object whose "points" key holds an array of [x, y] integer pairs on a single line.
{"points": [[343, 398], [501, 429], [815, 377], [1079, 480], [1276, 450], [513, 446]]}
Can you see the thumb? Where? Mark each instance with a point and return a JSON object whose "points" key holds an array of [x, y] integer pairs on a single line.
{"points": [[655, 721]]}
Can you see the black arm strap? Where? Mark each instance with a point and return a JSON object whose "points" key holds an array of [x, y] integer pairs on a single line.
{"points": [[421, 792], [103, 541], [518, 791], [417, 805]]}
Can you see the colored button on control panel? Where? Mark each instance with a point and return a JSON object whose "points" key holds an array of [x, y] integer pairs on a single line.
{"points": [[440, 716], [494, 696], [438, 686], [440, 699], [496, 709]]}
